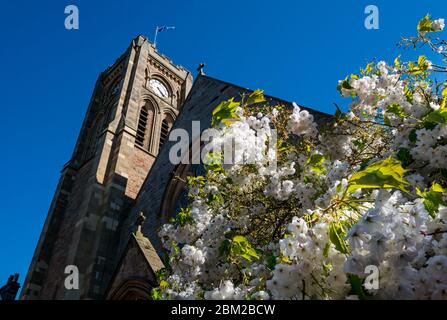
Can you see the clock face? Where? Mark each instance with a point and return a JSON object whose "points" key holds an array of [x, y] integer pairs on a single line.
{"points": [[159, 88]]}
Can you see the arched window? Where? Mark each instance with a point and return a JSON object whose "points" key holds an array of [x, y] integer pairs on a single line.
{"points": [[176, 194], [181, 200], [166, 126], [142, 126], [132, 289], [145, 124], [164, 132]]}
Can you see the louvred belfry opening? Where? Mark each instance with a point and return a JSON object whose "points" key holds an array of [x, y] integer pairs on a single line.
{"points": [[164, 132], [142, 126]]}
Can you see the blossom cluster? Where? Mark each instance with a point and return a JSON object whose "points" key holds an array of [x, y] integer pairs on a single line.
{"points": [[367, 189], [310, 272]]}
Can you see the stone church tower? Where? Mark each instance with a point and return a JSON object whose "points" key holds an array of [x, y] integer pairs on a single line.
{"points": [[133, 107]]}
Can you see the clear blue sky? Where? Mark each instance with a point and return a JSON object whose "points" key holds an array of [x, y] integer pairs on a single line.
{"points": [[296, 50]]}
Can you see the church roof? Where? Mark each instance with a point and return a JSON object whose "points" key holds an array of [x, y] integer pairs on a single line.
{"points": [[148, 251], [275, 100], [138, 265]]}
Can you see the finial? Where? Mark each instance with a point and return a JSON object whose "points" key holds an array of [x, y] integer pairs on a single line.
{"points": [[200, 69], [139, 222], [13, 278], [10, 289]]}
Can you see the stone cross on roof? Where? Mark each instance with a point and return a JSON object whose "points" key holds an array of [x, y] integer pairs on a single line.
{"points": [[200, 69], [139, 222]]}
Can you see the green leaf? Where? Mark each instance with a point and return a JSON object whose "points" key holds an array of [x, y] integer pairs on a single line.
{"points": [[397, 62], [344, 85], [368, 69], [271, 261], [359, 143], [327, 267], [424, 24], [396, 109], [282, 147], [316, 161], [421, 59], [256, 96], [183, 217], [384, 174], [437, 116], [413, 136], [225, 247], [242, 248], [356, 286], [437, 188], [160, 274], [195, 181], [404, 156], [225, 113], [336, 235], [412, 68], [433, 198], [213, 161], [444, 91], [444, 101], [408, 94], [318, 169], [156, 294], [326, 250]]}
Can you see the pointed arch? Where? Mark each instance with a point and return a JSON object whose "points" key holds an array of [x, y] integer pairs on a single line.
{"points": [[166, 125], [145, 126], [175, 195], [171, 112], [135, 288]]}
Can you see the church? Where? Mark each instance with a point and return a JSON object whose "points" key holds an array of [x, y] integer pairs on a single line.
{"points": [[119, 186]]}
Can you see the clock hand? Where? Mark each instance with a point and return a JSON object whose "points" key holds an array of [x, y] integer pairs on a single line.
{"points": [[162, 94]]}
